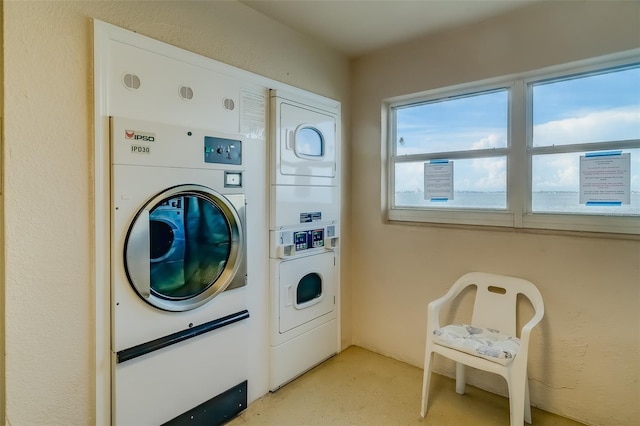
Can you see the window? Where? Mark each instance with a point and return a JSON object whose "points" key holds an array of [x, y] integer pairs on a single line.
{"points": [[589, 116], [548, 150], [451, 152]]}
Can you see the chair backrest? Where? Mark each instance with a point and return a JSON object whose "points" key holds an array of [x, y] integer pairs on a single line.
{"points": [[496, 299]]}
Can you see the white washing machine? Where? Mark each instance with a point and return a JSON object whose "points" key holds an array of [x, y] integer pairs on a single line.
{"points": [[179, 306]]}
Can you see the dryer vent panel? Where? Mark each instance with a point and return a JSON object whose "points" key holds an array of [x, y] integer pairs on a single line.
{"points": [[186, 93], [131, 81]]}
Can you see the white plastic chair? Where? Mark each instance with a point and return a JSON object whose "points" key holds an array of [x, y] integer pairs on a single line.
{"points": [[494, 310]]}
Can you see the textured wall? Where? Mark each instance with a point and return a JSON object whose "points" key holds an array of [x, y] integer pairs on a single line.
{"points": [[49, 290], [584, 359], [2, 328]]}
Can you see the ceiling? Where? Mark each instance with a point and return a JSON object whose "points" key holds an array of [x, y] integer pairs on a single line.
{"points": [[356, 27]]}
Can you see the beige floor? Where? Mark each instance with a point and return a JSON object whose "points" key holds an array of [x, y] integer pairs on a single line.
{"points": [[359, 387]]}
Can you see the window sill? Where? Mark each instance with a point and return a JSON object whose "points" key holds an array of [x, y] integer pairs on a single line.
{"points": [[594, 226]]}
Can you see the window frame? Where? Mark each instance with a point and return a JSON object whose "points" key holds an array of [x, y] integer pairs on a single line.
{"points": [[519, 154]]}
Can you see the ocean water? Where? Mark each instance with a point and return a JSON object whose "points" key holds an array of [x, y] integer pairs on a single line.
{"points": [[542, 202]]}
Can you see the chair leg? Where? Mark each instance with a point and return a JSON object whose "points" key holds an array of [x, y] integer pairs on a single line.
{"points": [[527, 402], [428, 360], [517, 396], [461, 379]]}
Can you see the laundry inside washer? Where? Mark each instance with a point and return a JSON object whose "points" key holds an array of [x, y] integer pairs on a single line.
{"points": [[167, 245], [190, 244]]}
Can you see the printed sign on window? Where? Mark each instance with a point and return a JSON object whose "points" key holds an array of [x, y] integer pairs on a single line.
{"points": [[438, 180], [605, 178]]}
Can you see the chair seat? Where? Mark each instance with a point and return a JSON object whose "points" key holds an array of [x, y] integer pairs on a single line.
{"points": [[486, 343]]}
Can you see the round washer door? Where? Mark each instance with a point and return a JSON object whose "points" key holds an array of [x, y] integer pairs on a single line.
{"points": [[184, 246]]}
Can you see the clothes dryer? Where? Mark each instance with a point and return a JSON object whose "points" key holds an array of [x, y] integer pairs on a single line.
{"points": [[305, 160], [306, 146], [179, 308], [304, 329]]}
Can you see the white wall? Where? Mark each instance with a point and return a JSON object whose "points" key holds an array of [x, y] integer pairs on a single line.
{"points": [[48, 170], [584, 359]]}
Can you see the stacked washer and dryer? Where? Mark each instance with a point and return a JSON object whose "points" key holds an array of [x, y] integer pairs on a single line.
{"points": [[304, 232]]}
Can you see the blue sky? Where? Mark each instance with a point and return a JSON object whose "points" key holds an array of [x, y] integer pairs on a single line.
{"points": [[581, 96], [596, 108], [459, 124]]}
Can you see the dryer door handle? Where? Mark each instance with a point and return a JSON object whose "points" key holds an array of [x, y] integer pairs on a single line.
{"points": [[289, 139], [289, 295], [137, 254]]}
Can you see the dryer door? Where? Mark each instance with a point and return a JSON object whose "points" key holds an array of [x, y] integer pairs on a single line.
{"points": [[308, 142], [306, 289], [185, 246]]}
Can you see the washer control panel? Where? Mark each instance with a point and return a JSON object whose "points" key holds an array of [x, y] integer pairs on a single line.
{"points": [[223, 151], [304, 240]]}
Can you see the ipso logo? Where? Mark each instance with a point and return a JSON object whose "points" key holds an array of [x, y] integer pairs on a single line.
{"points": [[139, 136]]}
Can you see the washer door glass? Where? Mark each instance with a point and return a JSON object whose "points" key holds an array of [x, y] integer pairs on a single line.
{"points": [[184, 247]]}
